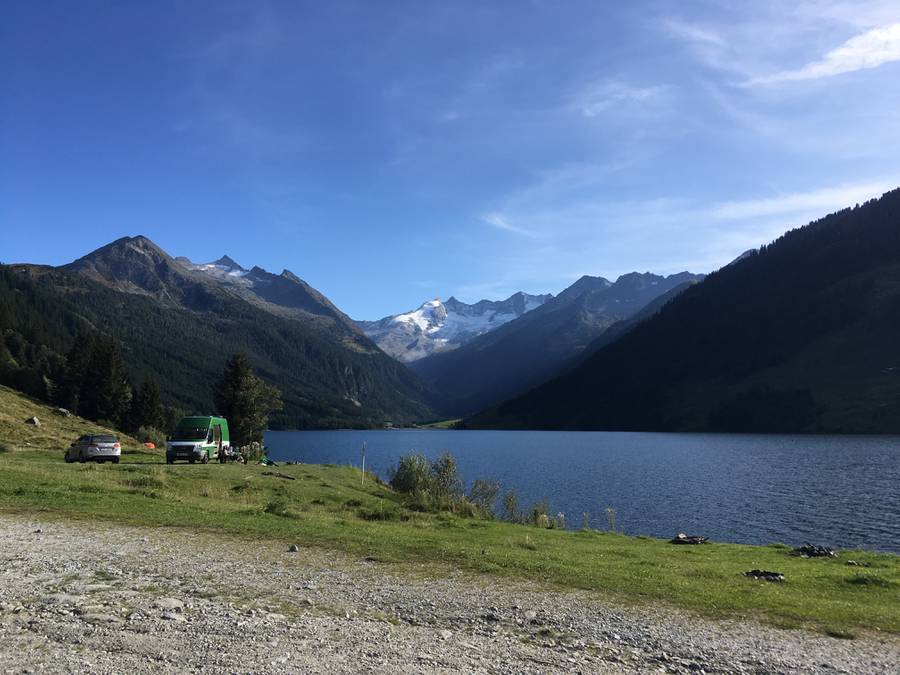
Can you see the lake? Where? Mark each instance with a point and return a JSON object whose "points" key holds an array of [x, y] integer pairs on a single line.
{"points": [[840, 491]]}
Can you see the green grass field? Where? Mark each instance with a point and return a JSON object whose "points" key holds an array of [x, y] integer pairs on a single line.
{"points": [[328, 506]]}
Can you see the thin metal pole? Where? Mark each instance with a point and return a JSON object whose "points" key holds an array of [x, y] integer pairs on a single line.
{"points": [[362, 480]]}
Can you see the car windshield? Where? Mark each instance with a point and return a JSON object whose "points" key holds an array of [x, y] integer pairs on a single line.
{"points": [[190, 434], [103, 438]]}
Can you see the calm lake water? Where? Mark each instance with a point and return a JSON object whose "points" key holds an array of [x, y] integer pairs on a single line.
{"points": [[841, 491]]}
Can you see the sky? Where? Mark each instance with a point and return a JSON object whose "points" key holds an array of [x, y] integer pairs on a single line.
{"points": [[392, 152]]}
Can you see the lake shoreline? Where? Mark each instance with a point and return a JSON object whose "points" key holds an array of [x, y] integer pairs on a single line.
{"points": [[740, 488]]}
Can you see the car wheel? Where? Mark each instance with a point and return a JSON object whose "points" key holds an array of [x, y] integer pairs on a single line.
{"points": [[115, 460], [205, 458], [82, 458], [191, 460], [169, 460]]}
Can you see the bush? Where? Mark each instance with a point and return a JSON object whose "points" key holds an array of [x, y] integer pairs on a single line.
{"points": [[539, 513], [436, 486], [484, 495], [151, 435], [411, 475], [511, 511], [446, 487]]}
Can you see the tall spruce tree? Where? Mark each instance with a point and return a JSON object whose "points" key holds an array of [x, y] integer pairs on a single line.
{"points": [[72, 382], [146, 408], [245, 401], [105, 392]]}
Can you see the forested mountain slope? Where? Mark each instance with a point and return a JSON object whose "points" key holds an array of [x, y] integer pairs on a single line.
{"points": [[803, 336], [180, 325]]}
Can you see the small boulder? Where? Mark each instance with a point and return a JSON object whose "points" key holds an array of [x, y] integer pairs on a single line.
{"points": [[62, 412], [682, 538], [169, 604], [34, 421], [293, 548], [765, 575], [811, 551]]}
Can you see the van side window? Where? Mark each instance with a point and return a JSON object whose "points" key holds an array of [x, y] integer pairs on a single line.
{"points": [[209, 436]]}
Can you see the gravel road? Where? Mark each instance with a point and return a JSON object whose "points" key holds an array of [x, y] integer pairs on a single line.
{"points": [[77, 597]]}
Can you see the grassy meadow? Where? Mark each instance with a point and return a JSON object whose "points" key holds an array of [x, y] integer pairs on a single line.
{"points": [[331, 506]]}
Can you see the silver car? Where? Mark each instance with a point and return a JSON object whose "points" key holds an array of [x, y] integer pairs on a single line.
{"points": [[97, 447]]}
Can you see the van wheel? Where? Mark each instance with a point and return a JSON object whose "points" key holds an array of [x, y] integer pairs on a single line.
{"points": [[115, 460], [169, 460], [191, 460], [82, 458]]}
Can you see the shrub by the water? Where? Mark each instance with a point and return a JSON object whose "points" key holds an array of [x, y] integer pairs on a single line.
{"points": [[436, 486], [484, 495], [539, 514], [411, 475], [511, 511]]}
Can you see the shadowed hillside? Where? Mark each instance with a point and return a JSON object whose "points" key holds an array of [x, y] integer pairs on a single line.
{"points": [[798, 337]]}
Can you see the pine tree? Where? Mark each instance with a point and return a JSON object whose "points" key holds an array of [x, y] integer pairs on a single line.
{"points": [[245, 401], [146, 408], [78, 360], [106, 392]]}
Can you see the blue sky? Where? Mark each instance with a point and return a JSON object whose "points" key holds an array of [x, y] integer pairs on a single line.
{"points": [[390, 152]]}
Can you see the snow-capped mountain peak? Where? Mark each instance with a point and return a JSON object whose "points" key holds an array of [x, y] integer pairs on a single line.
{"points": [[223, 267], [437, 326]]}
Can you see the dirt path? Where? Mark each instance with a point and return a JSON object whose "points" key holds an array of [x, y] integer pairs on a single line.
{"points": [[107, 599]]}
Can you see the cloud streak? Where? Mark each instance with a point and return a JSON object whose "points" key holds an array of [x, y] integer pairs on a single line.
{"points": [[868, 50], [500, 222], [601, 97]]}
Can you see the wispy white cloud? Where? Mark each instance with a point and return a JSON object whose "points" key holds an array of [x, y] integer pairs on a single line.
{"points": [[868, 50], [499, 221], [609, 95], [694, 33], [662, 234], [819, 201]]}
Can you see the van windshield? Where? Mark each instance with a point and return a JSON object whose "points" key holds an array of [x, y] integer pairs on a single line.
{"points": [[190, 434]]}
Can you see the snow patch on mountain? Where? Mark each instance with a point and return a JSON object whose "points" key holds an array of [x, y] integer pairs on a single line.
{"points": [[222, 268], [437, 326]]}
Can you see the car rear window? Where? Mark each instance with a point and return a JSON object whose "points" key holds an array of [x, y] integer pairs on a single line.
{"points": [[103, 438]]}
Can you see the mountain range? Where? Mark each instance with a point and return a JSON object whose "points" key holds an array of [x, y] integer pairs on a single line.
{"points": [[799, 336], [179, 321], [444, 326], [524, 352]]}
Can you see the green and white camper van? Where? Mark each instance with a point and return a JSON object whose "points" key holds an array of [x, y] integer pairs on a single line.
{"points": [[199, 439]]}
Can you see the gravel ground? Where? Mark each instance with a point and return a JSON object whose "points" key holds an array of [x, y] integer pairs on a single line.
{"points": [[99, 598]]}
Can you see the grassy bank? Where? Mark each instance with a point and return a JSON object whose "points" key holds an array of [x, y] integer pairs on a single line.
{"points": [[328, 506]]}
